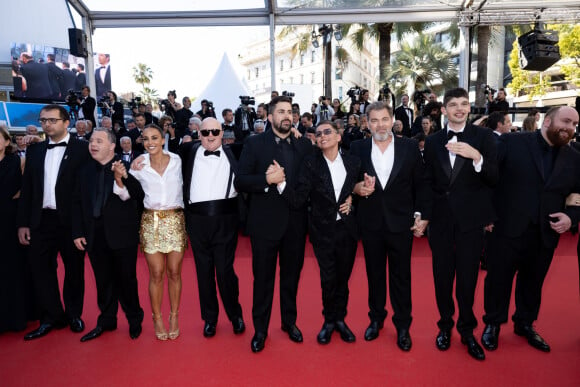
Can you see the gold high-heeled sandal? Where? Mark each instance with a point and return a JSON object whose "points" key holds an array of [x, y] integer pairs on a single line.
{"points": [[160, 332], [174, 334]]}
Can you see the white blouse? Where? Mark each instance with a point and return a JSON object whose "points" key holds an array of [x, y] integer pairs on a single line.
{"points": [[162, 192]]}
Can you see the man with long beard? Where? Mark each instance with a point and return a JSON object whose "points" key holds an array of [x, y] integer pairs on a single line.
{"points": [[274, 227], [537, 172]]}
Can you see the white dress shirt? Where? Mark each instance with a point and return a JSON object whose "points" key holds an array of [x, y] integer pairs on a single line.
{"points": [[162, 192], [52, 162], [338, 176], [209, 180], [383, 162], [452, 156]]}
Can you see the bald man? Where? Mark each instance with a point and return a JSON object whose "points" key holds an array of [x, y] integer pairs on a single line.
{"points": [[537, 172], [211, 205]]}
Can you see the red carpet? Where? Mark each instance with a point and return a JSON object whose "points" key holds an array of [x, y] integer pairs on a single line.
{"points": [[115, 360]]}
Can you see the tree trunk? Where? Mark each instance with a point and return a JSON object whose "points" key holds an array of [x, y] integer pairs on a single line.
{"points": [[483, 36], [328, 68], [385, 30]]}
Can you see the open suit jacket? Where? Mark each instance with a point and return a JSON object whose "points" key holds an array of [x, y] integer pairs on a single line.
{"points": [[315, 182], [404, 193], [30, 206], [120, 218], [523, 189], [467, 192], [258, 153]]}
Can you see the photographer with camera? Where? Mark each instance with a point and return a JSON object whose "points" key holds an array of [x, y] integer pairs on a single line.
{"points": [[87, 105], [206, 109], [324, 111], [110, 107], [499, 104], [431, 110], [182, 117], [364, 100], [405, 114], [244, 117]]}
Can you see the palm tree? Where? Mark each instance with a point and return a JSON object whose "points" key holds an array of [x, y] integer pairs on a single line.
{"points": [[423, 63], [149, 95], [142, 74]]}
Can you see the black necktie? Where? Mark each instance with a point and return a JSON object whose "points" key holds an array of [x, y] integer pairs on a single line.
{"points": [[51, 146], [100, 192], [210, 153], [451, 134]]}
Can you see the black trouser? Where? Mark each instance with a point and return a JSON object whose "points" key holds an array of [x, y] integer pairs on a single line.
{"points": [[335, 257], [525, 255], [213, 242], [380, 247], [265, 253], [46, 241], [116, 278], [456, 256]]}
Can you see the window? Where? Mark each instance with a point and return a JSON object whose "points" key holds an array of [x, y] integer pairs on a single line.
{"points": [[281, 64], [291, 80], [291, 63], [312, 77], [257, 69], [313, 56], [365, 64], [340, 92], [338, 73], [281, 80], [301, 79], [249, 74], [301, 59]]}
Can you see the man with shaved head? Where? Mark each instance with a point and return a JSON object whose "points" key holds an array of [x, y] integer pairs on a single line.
{"points": [[537, 172], [211, 205]]}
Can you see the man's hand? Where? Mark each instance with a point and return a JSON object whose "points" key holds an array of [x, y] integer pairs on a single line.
{"points": [[80, 243], [573, 200], [465, 150], [31, 139], [275, 174], [24, 236], [139, 140], [137, 164], [295, 132], [489, 227], [419, 227], [562, 224], [365, 187]]}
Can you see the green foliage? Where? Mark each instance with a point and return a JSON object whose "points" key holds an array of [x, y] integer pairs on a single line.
{"points": [[523, 81], [570, 51]]}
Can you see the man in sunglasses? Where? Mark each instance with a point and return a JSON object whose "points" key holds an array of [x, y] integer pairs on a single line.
{"points": [[212, 223], [274, 227]]}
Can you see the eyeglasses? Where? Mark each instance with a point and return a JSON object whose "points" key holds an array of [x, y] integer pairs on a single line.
{"points": [[206, 132], [326, 132], [168, 124], [50, 120]]}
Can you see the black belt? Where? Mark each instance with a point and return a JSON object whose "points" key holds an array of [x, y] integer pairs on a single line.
{"points": [[214, 207]]}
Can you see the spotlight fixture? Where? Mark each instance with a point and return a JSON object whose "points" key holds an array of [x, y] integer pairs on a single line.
{"points": [[337, 33], [315, 39]]}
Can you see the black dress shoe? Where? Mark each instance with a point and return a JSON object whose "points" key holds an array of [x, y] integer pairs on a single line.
{"points": [[76, 324], [239, 325], [258, 342], [345, 332], [293, 332], [372, 331], [490, 336], [42, 330], [443, 340], [209, 329], [135, 331], [404, 339], [534, 339], [473, 348], [325, 333], [93, 334]]}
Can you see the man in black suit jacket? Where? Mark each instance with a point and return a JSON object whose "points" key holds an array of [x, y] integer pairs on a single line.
{"points": [[461, 169], [327, 178], [537, 172], [405, 114], [88, 105], [385, 216], [36, 75], [44, 221], [81, 77], [136, 133], [211, 211], [107, 226], [69, 78], [55, 78], [274, 227], [103, 75]]}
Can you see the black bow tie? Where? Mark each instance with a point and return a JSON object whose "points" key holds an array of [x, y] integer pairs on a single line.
{"points": [[451, 134], [51, 146], [210, 153]]}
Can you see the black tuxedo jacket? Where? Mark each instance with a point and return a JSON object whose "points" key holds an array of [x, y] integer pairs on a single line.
{"points": [[135, 133], [269, 213], [80, 81], [30, 205], [69, 79], [120, 218], [462, 190], [88, 106], [523, 195], [401, 114], [133, 155], [315, 183], [188, 151], [102, 87], [56, 80], [404, 193], [36, 75]]}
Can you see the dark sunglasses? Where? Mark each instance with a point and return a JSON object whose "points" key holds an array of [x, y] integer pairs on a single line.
{"points": [[326, 132], [206, 132]]}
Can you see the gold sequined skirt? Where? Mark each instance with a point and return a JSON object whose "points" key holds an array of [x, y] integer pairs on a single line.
{"points": [[163, 231]]}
